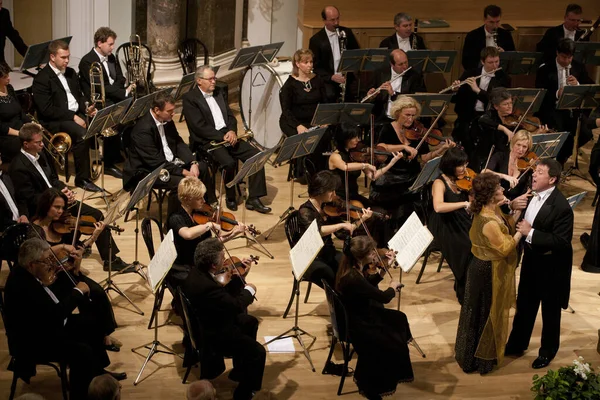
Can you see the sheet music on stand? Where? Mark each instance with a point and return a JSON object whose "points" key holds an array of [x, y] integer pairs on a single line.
{"points": [[252, 166], [410, 242], [298, 146], [38, 54], [547, 145], [587, 53], [431, 61], [520, 62], [306, 250], [162, 262], [255, 55], [337, 113], [429, 172], [432, 104], [107, 118], [141, 106], [523, 97], [576, 199], [185, 85]]}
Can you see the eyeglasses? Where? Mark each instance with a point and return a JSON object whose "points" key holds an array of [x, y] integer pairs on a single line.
{"points": [[214, 78]]}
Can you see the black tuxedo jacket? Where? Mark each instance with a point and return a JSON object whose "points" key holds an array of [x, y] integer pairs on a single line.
{"points": [[5, 212], [115, 92], [146, 149], [550, 250], [199, 119], [8, 31], [29, 184], [547, 78], [550, 40], [391, 42], [412, 82], [475, 42], [50, 98], [465, 99]]}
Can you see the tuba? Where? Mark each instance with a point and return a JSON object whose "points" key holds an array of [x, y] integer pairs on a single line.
{"points": [[136, 71], [57, 145]]}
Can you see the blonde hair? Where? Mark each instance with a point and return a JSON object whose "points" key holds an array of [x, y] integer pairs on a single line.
{"points": [[190, 188], [403, 102], [520, 135], [299, 55]]}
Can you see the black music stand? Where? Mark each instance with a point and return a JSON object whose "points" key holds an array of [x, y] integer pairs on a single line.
{"points": [[185, 85], [522, 98], [547, 145], [294, 147], [587, 53], [520, 62], [432, 104], [431, 61], [250, 167], [363, 60], [141, 106], [334, 113], [38, 55]]}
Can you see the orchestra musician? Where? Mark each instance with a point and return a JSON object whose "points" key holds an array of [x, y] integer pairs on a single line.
{"points": [[326, 46], [591, 241], [379, 335], [209, 118], [490, 285], [61, 108], [405, 38], [451, 222], [12, 117], [32, 173], [472, 98], [490, 34], [12, 211], [553, 77], [154, 142], [568, 29], [228, 330], [8, 31]]}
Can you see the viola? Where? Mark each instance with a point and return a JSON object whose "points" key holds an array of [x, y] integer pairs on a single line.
{"points": [[231, 267], [465, 181], [374, 267], [418, 130], [362, 154], [66, 224], [227, 220], [527, 161], [337, 208], [530, 124]]}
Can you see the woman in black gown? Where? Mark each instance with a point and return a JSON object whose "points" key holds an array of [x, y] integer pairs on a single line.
{"points": [[380, 336], [12, 117], [450, 222]]}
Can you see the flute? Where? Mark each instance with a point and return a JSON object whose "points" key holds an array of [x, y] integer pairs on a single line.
{"points": [[376, 92], [452, 87]]}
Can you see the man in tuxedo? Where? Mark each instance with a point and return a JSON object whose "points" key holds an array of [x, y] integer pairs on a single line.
{"points": [[61, 108], [471, 100], [11, 211], [154, 141], [326, 46], [393, 83], [227, 327], [405, 37], [32, 173], [8, 31], [568, 29], [546, 268], [40, 327], [208, 117], [553, 77], [483, 37]]}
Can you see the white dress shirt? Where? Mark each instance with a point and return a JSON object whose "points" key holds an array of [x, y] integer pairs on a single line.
{"points": [[72, 101], [534, 208], [36, 164], [484, 83], [569, 34], [489, 39], [396, 87], [9, 200], [163, 138], [562, 77], [215, 110], [104, 62], [334, 41], [403, 44]]}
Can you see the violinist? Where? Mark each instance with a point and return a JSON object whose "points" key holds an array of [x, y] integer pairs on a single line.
{"points": [[228, 330], [451, 222], [380, 336], [321, 190]]}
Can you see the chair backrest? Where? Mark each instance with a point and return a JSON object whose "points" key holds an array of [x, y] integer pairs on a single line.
{"points": [[188, 54], [339, 317], [147, 234], [292, 228], [192, 323], [12, 238], [310, 169]]}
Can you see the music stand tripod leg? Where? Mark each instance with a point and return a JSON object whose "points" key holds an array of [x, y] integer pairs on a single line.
{"points": [[136, 264]]}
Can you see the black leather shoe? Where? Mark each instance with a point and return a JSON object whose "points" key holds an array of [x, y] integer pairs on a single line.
{"points": [[89, 186], [231, 204], [117, 265], [584, 239], [256, 205], [113, 171], [112, 347], [541, 362], [117, 375]]}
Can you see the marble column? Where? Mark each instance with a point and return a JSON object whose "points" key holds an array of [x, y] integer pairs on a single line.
{"points": [[163, 37]]}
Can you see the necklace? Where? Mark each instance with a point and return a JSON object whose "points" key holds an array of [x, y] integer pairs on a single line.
{"points": [[307, 86]]}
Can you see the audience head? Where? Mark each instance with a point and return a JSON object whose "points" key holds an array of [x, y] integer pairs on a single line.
{"points": [[209, 254], [399, 61], [454, 162], [347, 136], [191, 192], [32, 139], [59, 54], [491, 17], [490, 58], [201, 390], [163, 107], [104, 387], [405, 110], [206, 78], [565, 50], [546, 174], [104, 40], [324, 184], [331, 17], [33, 256], [572, 17], [501, 101], [521, 143], [403, 24], [52, 203], [486, 191], [303, 60]]}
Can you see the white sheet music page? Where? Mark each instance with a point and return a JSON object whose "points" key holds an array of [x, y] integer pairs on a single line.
{"points": [[306, 250], [411, 241], [162, 261]]}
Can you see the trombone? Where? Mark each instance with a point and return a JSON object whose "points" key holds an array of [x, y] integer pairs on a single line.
{"points": [[97, 94], [215, 145], [57, 145]]}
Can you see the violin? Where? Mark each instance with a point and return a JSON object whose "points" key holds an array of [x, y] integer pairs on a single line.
{"points": [[530, 124], [227, 220], [231, 267], [66, 224], [337, 208], [362, 154], [527, 161], [465, 181], [418, 130], [374, 267]]}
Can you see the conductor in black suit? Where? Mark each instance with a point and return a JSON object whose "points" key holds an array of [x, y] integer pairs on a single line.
{"points": [[61, 108], [221, 312], [8, 31], [547, 262], [209, 118], [11, 210], [326, 47], [405, 38], [482, 37], [569, 29], [553, 77], [154, 141]]}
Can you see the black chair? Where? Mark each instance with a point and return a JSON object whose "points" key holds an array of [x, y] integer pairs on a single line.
{"points": [[433, 247], [10, 241], [293, 234], [188, 54], [122, 53], [310, 169], [194, 330], [341, 333]]}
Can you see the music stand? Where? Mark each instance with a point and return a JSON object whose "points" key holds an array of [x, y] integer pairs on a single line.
{"points": [[520, 62], [250, 167], [140, 106], [294, 147], [547, 145], [185, 85], [158, 268], [587, 53], [337, 113], [432, 104], [363, 60], [37, 55], [431, 61], [523, 97]]}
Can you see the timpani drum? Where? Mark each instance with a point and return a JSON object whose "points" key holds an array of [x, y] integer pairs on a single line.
{"points": [[259, 101]]}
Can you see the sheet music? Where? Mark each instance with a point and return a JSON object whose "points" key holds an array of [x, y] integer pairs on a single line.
{"points": [[576, 199], [306, 250], [411, 241], [161, 262]]}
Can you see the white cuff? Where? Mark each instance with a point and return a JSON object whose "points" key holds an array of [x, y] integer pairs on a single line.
{"points": [[250, 289], [529, 236]]}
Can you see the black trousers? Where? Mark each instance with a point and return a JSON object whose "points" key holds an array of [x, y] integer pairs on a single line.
{"points": [[10, 146], [325, 266], [80, 147], [105, 239]]}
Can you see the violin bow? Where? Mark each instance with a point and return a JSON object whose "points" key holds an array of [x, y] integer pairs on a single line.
{"points": [[526, 112], [444, 108], [372, 139], [77, 219], [489, 157], [375, 245]]}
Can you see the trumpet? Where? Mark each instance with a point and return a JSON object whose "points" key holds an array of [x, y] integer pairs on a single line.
{"points": [[452, 87], [164, 175], [376, 92], [57, 145], [215, 145]]}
